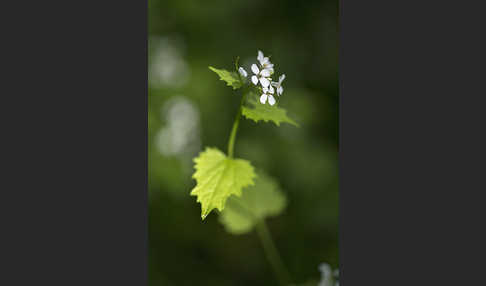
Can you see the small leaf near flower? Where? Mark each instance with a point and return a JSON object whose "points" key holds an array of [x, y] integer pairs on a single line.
{"points": [[265, 112], [231, 78]]}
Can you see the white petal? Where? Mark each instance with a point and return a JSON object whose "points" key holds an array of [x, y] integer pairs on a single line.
{"points": [[243, 72], [281, 78], [271, 90], [279, 90], [265, 60], [254, 69], [265, 73], [265, 89], [263, 98], [269, 69], [271, 100], [264, 81], [254, 79], [274, 83], [260, 56]]}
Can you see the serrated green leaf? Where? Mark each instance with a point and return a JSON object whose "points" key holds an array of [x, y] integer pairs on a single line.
{"points": [[218, 177], [257, 202], [266, 112], [231, 78]]}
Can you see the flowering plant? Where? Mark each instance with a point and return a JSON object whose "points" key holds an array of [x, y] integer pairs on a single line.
{"points": [[244, 197], [218, 175]]}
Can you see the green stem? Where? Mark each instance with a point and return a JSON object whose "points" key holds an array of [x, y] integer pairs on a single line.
{"points": [[272, 253], [231, 143]]}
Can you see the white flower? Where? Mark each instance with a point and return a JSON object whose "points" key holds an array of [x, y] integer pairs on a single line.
{"points": [[243, 72], [327, 278], [265, 62], [278, 84], [260, 56], [263, 76], [267, 93], [262, 71], [325, 270]]}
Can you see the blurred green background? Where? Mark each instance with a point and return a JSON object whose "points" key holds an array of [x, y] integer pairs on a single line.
{"points": [[190, 108]]}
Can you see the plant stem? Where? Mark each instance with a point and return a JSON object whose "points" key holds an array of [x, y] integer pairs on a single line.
{"points": [[272, 253], [231, 143]]}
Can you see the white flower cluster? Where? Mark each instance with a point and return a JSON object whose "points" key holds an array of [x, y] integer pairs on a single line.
{"points": [[262, 74]]}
